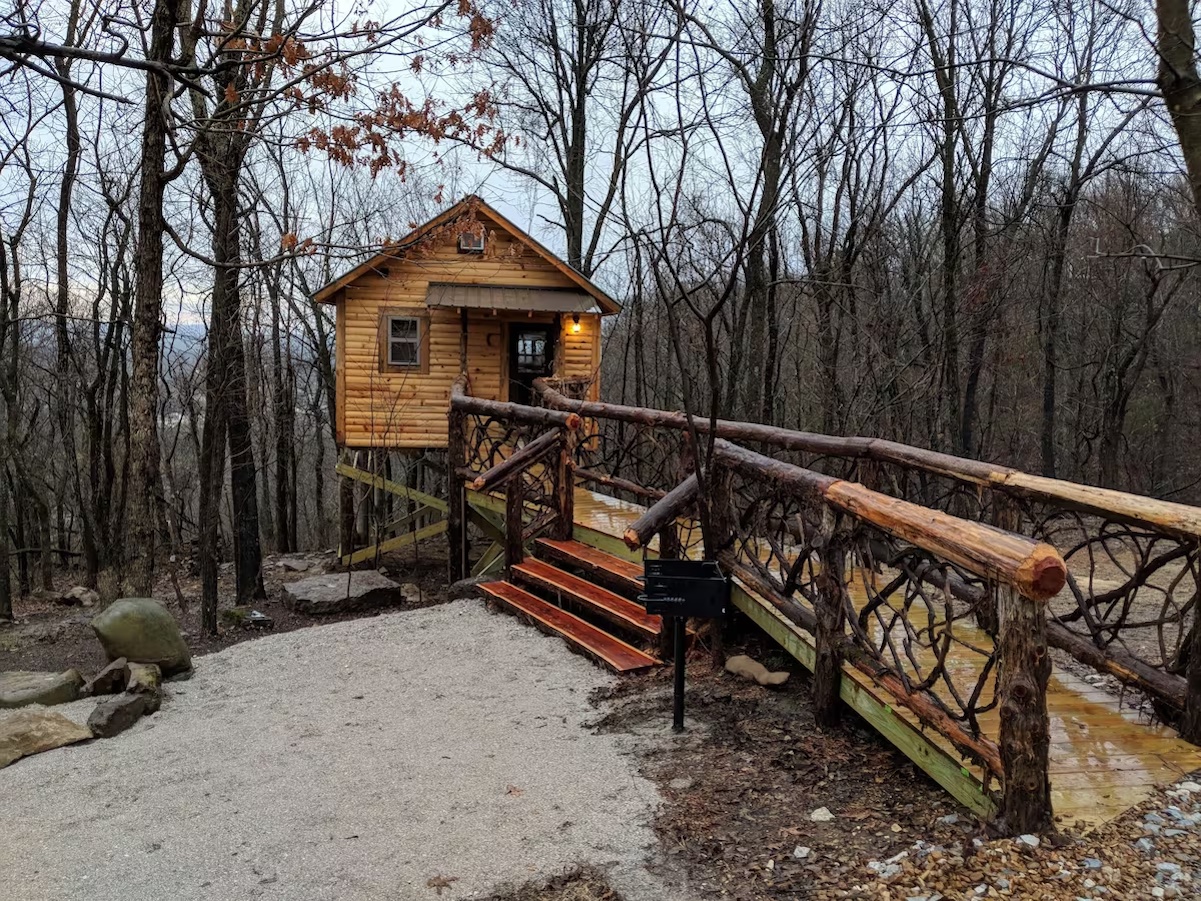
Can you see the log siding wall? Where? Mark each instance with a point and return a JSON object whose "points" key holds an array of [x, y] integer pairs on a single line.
{"points": [[407, 409]]}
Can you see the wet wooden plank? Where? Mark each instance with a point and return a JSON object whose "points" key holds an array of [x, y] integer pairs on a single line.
{"points": [[620, 611], [612, 572], [579, 633]]}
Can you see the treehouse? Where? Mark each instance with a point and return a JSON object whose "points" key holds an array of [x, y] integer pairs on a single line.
{"points": [[467, 292]]}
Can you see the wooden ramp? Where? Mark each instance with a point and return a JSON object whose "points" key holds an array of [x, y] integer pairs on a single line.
{"points": [[1104, 758]]}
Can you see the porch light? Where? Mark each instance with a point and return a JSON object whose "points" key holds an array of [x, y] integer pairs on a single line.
{"points": [[575, 323]]}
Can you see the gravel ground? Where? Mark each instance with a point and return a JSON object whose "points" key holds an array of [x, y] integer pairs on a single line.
{"points": [[437, 753]]}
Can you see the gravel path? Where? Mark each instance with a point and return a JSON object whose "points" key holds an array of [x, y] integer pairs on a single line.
{"points": [[378, 758]]}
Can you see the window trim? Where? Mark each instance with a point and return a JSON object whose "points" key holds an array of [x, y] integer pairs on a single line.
{"points": [[385, 341]]}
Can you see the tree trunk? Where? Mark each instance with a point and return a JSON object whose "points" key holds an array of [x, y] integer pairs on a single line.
{"points": [[1181, 83], [148, 305]]}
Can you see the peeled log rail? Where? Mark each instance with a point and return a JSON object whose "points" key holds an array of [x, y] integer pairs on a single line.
{"points": [[1178, 520], [519, 460], [543, 416], [1032, 567], [664, 512]]}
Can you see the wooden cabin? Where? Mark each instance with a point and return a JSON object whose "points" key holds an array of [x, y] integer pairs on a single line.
{"points": [[467, 291]]}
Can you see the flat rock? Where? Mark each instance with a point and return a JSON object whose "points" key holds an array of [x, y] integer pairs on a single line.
{"points": [[20, 688], [748, 668], [110, 680], [33, 731], [147, 679], [341, 593], [142, 631], [294, 564], [114, 715]]}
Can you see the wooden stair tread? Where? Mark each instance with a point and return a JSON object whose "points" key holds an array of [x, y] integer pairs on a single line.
{"points": [[595, 642], [619, 573], [613, 607]]}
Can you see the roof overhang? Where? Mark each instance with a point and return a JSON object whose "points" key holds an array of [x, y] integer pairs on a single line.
{"points": [[500, 298], [470, 205]]}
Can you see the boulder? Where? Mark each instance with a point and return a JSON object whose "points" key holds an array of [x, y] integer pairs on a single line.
{"points": [[295, 565], [82, 597], [110, 680], [751, 669], [18, 688], [142, 631], [468, 588], [341, 593], [146, 679], [114, 715], [33, 731]]}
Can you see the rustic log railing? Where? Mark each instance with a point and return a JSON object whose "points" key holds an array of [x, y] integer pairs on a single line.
{"points": [[1130, 605], [883, 585]]}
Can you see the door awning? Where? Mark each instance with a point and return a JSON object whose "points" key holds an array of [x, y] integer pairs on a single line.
{"points": [[509, 299]]}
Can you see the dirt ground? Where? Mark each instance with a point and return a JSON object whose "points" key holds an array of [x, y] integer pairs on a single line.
{"points": [[49, 636]]}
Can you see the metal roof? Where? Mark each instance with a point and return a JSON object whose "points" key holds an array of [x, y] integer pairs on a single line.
{"points": [[495, 297]]}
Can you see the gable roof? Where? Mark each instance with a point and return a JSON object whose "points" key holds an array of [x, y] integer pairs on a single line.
{"points": [[329, 293]]}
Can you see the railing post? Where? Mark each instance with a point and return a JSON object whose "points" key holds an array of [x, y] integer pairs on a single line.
{"points": [[1005, 515], [565, 485], [1024, 667], [456, 509], [1190, 720], [514, 522], [830, 612]]}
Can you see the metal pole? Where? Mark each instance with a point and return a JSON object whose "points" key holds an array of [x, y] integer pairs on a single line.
{"points": [[677, 724]]}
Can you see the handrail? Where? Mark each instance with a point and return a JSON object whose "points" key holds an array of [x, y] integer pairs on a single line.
{"points": [[1034, 568], [1180, 520]]}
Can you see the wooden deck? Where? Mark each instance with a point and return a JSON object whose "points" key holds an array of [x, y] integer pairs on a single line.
{"points": [[1104, 758]]}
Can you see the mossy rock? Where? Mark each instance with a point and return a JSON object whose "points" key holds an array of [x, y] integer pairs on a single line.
{"points": [[142, 631], [19, 688]]}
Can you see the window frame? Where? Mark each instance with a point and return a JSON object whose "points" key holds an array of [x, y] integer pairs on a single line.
{"points": [[422, 364]]}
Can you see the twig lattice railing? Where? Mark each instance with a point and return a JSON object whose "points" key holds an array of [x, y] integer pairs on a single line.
{"points": [[1130, 605], [883, 585]]}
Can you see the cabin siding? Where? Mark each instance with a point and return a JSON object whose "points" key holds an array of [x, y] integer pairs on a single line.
{"points": [[407, 409]]}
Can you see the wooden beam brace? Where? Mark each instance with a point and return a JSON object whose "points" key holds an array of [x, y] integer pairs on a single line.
{"points": [[395, 544], [367, 478]]}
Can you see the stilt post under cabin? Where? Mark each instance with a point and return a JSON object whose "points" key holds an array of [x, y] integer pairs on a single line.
{"points": [[345, 513], [456, 511]]}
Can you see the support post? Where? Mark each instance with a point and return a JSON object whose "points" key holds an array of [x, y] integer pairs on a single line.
{"points": [[1190, 721], [514, 523], [677, 707], [565, 485], [456, 511], [1024, 668], [830, 611], [345, 515], [1005, 515]]}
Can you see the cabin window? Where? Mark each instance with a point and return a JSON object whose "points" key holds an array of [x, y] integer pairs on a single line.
{"points": [[532, 352], [401, 343], [404, 341]]}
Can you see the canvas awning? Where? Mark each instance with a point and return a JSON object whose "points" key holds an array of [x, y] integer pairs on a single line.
{"points": [[509, 299]]}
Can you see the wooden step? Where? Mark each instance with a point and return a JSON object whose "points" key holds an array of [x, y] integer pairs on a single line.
{"points": [[612, 572], [581, 634], [622, 612]]}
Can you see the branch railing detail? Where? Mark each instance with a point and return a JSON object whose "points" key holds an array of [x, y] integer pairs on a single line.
{"points": [[1130, 604], [884, 585]]}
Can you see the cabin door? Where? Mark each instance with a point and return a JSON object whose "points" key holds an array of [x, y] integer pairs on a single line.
{"points": [[531, 356]]}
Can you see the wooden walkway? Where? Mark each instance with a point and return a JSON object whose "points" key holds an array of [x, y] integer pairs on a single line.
{"points": [[1104, 758]]}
